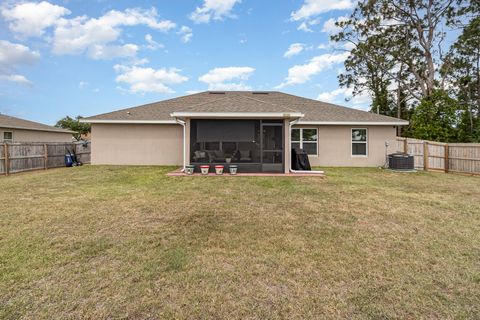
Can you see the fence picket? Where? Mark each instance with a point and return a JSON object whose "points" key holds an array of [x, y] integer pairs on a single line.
{"points": [[447, 157], [19, 157]]}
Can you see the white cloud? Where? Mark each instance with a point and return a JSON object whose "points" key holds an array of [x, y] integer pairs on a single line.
{"points": [[311, 8], [299, 74], [361, 101], [16, 78], [31, 19], [304, 27], [330, 27], [229, 87], [294, 49], [98, 38], [98, 52], [12, 56], [142, 80], [90, 35], [225, 74], [192, 91], [82, 84], [152, 44], [228, 78], [186, 34], [213, 10], [330, 96]]}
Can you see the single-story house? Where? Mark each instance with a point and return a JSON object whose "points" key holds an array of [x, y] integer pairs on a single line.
{"points": [[19, 130], [255, 130]]}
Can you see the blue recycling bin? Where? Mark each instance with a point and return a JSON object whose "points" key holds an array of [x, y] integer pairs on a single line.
{"points": [[68, 160]]}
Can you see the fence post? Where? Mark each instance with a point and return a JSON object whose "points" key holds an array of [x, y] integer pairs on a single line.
{"points": [[447, 164], [45, 156], [405, 145], [5, 159], [425, 155]]}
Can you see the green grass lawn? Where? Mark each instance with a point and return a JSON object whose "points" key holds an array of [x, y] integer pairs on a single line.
{"points": [[129, 242]]}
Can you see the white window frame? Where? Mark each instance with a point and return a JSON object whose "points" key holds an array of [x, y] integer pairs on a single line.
{"points": [[3, 136], [307, 142], [365, 142]]}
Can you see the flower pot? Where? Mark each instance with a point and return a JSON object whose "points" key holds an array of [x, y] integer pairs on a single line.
{"points": [[219, 170], [204, 169], [233, 169], [228, 160], [189, 169]]}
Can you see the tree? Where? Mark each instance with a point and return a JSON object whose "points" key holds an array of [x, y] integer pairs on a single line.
{"points": [[74, 125], [396, 50], [435, 118], [401, 32], [363, 73], [462, 71]]}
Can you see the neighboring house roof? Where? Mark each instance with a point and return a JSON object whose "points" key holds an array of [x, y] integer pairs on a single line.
{"points": [[244, 102], [10, 122]]}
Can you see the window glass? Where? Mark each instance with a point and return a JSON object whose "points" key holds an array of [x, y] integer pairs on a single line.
{"points": [[8, 135], [296, 145], [295, 134], [311, 148], [309, 134], [359, 149], [359, 142], [359, 135], [306, 139]]}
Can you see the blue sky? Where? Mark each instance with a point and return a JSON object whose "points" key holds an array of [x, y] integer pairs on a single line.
{"points": [[77, 57]]}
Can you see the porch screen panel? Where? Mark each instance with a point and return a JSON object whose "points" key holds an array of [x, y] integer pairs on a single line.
{"points": [[225, 130]]}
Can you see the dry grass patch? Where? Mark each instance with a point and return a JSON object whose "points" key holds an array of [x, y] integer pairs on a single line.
{"points": [[130, 242]]}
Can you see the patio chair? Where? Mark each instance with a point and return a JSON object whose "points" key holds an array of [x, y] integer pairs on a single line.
{"points": [[245, 155], [199, 156]]}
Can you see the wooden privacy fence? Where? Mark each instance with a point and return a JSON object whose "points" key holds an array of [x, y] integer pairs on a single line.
{"points": [[447, 157], [24, 156]]}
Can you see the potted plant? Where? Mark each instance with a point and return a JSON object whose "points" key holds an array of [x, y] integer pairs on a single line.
{"points": [[204, 169], [233, 169], [189, 169], [219, 169]]}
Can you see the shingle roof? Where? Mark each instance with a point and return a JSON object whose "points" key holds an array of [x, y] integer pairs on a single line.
{"points": [[245, 101], [17, 123]]}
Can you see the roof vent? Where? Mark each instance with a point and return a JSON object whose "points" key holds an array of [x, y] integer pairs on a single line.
{"points": [[129, 113], [216, 92], [260, 92]]}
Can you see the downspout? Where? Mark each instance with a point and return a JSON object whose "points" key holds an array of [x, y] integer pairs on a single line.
{"points": [[183, 123], [291, 123]]}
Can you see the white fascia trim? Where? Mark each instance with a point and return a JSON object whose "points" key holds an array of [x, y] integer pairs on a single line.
{"points": [[283, 115], [130, 121], [354, 123]]}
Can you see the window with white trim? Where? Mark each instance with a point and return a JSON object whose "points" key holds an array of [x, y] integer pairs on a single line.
{"points": [[8, 136], [359, 142], [305, 138]]}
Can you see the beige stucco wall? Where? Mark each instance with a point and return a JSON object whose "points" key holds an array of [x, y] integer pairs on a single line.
{"points": [[137, 144], [20, 135], [334, 146]]}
